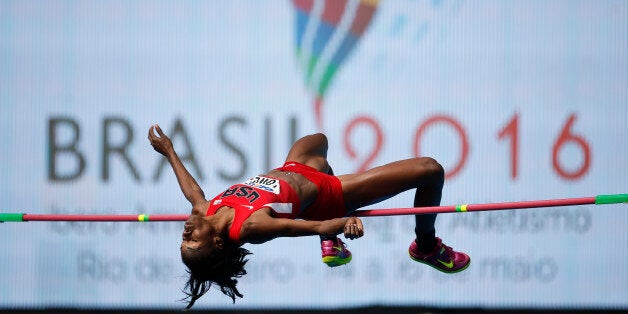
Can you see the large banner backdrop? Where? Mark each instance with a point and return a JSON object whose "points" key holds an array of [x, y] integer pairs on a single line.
{"points": [[518, 100]]}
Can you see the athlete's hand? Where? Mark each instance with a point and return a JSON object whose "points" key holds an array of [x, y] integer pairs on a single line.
{"points": [[353, 228], [161, 143]]}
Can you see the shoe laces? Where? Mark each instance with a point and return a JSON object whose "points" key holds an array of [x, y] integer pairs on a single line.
{"points": [[340, 243], [446, 250]]}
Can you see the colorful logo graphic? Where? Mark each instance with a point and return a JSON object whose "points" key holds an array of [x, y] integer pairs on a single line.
{"points": [[327, 31]]}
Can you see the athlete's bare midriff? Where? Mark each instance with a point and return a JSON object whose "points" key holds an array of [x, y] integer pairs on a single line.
{"points": [[305, 189]]}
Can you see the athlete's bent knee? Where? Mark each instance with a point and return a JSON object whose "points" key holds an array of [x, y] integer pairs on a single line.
{"points": [[430, 167], [321, 137]]}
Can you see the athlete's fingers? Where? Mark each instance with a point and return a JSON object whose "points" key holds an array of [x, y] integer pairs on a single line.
{"points": [[357, 228], [360, 231], [347, 231], [352, 231], [151, 136], [360, 226], [159, 131]]}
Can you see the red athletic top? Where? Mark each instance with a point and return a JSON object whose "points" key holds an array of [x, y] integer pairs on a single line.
{"points": [[255, 194]]}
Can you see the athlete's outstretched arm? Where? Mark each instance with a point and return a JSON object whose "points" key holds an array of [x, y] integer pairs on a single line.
{"points": [[162, 144], [267, 228]]}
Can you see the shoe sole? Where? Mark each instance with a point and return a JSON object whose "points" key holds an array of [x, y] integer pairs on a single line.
{"points": [[440, 269], [333, 261]]}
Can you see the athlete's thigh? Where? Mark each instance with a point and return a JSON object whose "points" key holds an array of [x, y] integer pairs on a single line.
{"points": [[310, 150], [385, 181]]}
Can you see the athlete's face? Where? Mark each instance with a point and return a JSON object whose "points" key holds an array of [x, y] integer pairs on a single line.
{"points": [[197, 235]]}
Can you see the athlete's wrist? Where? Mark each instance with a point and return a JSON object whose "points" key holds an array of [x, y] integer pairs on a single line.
{"points": [[171, 154], [332, 227]]}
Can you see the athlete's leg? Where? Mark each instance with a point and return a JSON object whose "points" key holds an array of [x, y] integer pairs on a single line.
{"points": [[427, 176], [379, 183], [311, 150]]}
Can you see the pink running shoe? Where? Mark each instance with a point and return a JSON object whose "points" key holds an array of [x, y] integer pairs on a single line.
{"points": [[335, 252], [442, 257]]}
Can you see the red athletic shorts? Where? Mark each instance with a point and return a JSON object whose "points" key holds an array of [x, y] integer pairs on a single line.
{"points": [[329, 202]]}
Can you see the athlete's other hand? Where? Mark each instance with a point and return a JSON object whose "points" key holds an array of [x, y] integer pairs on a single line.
{"points": [[161, 143], [353, 228]]}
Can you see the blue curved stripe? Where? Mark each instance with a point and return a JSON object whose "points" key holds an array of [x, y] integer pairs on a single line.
{"points": [[345, 48], [302, 18], [323, 34]]}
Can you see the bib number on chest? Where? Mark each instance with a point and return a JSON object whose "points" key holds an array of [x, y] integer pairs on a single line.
{"points": [[264, 183]]}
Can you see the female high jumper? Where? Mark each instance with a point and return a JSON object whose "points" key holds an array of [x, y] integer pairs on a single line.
{"points": [[301, 198]]}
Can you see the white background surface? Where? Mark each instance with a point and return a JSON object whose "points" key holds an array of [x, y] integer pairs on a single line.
{"points": [[230, 67]]}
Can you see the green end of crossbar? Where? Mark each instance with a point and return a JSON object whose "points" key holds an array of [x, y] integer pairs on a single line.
{"points": [[611, 199], [11, 217]]}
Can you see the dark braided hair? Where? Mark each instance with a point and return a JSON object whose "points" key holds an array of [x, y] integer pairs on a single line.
{"points": [[220, 267]]}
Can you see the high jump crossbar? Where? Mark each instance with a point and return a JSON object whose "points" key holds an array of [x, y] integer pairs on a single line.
{"points": [[593, 200]]}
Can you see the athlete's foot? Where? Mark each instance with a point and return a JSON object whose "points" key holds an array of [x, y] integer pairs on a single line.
{"points": [[335, 252], [442, 258]]}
